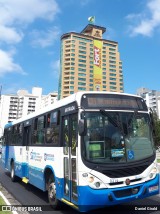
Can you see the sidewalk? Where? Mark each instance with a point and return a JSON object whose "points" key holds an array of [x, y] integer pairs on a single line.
{"points": [[10, 200]]}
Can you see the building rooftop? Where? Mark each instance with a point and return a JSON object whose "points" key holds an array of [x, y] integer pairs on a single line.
{"points": [[90, 27]]}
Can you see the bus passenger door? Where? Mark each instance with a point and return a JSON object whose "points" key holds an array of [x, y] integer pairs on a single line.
{"points": [[69, 157], [26, 141]]}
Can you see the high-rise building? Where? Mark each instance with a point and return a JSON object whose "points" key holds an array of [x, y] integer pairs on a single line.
{"points": [[89, 62], [151, 98], [14, 106], [48, 99]]}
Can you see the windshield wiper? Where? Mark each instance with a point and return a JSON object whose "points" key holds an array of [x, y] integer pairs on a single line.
{"points": [[112, 120]]}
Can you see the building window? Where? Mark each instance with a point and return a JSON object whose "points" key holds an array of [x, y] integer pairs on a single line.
{"points": [[82, 56], [81, 69], [82, 47], [82, 52], [81, 88], [111, 53], [111, 61], [112, 49], [81, 83], [82, 74], [82, 65], [82, 79], [112, 70], [81, 60], [112, 66], [112, 83], [112, 74], [111, 78], [112, 87], [82, 43]]}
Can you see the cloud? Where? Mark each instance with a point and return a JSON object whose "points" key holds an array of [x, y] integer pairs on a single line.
{"points": [[7, 64], [17, 14], [15, 17], [55, 65], [45, 38], [146, 22], [9, 35]]}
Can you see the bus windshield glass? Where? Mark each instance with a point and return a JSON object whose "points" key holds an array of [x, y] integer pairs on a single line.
{"points": [[117, 137]]}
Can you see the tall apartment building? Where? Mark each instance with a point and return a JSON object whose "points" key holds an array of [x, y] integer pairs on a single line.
{"points": [[14, 106], [89, 62], [151, 98], [48, 99]]}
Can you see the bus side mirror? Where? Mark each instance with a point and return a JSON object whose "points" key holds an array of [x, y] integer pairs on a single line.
{"points": [[81, 127]]}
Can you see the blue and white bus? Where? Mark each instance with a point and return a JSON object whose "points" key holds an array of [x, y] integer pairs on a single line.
{"points": [[89, 150]]}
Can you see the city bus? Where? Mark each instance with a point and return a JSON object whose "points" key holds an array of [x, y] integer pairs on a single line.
{"points": [[89, 150]]}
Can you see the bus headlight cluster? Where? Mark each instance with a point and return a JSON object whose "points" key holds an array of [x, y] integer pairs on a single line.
{"points": [[153, 173], [93, 181]]}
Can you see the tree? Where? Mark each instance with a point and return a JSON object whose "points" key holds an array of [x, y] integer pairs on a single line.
{"points": [[157, 129]]}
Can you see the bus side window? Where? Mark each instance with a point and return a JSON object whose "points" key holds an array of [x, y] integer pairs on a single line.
{"points": [[40, 130], [35, 130], [52, 131], [48, 120], [19, 133], [14, 134]]}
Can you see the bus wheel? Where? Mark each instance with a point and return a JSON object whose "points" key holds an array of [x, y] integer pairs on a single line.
{"points": [[13, 176], [54, 202]]}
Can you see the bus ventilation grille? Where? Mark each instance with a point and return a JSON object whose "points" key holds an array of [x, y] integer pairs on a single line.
{"points": [[123, 172]]}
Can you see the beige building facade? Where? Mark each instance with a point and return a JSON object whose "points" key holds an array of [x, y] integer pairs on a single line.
{"points": [[89, 63]]}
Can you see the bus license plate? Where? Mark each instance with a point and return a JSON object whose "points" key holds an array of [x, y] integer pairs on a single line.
{"points": [[154, 188]]}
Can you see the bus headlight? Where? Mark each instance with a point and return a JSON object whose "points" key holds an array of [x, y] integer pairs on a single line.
{"points": [[93, 181], [153, 172]]}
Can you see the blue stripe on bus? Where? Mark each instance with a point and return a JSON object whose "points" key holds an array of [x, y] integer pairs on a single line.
{"points": [[88, 197]]}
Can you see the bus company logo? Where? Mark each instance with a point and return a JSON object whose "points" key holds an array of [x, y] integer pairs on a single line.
{"points": [[35, 156], [49, 157], [97, 56], [127, 181], [70, 108]]}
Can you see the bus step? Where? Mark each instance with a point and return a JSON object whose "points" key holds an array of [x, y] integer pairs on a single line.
{"points": [[25, 180], [69, 203]]}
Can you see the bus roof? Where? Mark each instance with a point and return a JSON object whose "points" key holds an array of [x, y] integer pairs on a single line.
{"points": [[65, 101]]}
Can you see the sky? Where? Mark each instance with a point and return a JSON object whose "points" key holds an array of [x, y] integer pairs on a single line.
{"points": [[30, 32]]}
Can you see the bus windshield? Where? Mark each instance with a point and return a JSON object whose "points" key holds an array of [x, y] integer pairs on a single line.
{"points": [[117, 137]]}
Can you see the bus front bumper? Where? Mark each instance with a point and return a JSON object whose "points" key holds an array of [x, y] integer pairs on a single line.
{"points": [[90, 199]]}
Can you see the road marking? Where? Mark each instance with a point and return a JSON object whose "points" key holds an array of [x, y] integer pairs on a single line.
{"points": [[7, 202]]}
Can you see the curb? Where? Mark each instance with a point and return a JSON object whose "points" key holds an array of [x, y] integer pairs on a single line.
{"points": [[10, 200]]}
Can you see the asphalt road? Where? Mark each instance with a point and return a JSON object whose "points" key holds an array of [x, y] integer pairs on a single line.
{"points": [[27, 194]]}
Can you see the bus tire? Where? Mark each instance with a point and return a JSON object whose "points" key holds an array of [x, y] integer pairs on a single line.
{"points": [[13, 176], [54, 202]]}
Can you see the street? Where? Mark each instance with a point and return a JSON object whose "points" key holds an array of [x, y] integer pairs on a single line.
{"points": [[27, 194]]}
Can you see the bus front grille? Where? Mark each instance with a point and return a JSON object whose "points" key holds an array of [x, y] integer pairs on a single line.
{"points": [[124, 172]]}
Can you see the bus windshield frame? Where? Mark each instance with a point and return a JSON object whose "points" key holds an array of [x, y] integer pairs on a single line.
{"points": [[117, 137]]}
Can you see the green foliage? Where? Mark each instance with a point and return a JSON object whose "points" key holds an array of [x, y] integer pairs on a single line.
{"points": [[2, 203], [157, 129]]}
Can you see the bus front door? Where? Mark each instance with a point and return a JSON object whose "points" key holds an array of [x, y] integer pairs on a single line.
{"points": [[70, 158], [26, 142]]}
